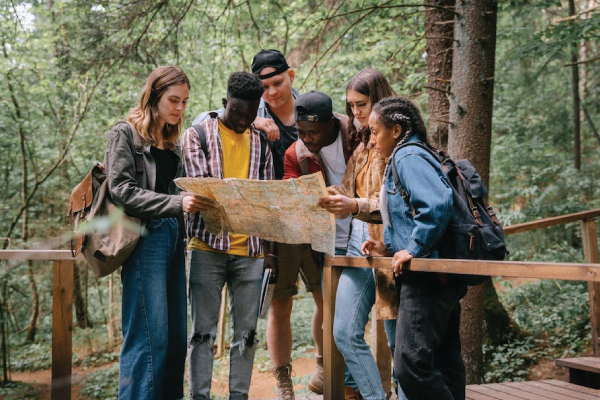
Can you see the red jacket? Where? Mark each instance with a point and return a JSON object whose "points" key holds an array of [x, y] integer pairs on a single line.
{"points": [[297, 153]]}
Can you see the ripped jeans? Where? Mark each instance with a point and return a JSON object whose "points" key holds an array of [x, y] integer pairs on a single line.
{"points": [[209, 271]]}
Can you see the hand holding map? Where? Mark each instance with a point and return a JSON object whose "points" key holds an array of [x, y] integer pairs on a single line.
{"points": [[282, 211]]}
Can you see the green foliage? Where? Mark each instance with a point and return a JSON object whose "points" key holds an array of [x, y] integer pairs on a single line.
{"points": [[102, 384], [31, 357], [554, 316], [532, 172], [17, 391]]}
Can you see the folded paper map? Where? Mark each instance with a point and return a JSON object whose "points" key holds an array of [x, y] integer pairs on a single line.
{"points": [[282, 211]]}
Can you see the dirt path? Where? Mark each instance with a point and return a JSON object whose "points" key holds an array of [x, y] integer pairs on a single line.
{"points": [[263, 384], [41, 381]]}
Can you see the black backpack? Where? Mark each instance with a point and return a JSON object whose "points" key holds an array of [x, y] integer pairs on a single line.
{"points": [[474, 232]]}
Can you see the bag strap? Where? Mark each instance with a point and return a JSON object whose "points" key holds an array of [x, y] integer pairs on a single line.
{"points": [[263, 148], [263, 157], [439, 157], [139, 155], [400, 187]]}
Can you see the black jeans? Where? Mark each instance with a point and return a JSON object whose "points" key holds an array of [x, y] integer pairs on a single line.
{"points": [[427, 360]]}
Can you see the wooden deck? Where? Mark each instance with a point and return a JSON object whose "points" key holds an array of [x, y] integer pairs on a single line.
{"points": [[584, 371], [537, 390]]}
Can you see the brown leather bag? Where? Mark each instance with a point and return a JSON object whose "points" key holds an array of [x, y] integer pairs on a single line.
{"points": [[102, 232]]}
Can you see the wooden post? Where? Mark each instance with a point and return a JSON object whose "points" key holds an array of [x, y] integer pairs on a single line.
{"points": [[381, 351], [222, 324], [62, 329], [590, 251], [333, 363]]}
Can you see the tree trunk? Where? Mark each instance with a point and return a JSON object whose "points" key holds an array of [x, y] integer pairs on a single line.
{"points": [[35, 305], [470, 135], [110, 324], [576, 102], [499, 326], [439, 28], [4, 334], [80, 304]]}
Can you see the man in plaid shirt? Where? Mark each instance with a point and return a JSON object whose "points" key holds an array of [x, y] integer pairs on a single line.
{"points": [[233, 150]]}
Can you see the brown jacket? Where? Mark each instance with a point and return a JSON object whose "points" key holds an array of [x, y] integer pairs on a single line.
{"points": [[368, 211]]}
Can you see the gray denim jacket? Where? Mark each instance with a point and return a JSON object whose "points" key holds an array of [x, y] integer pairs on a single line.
{"points": [[141, 202]]}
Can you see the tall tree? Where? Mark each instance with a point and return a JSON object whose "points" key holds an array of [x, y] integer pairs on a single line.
{"points": [[439, 31], [576, 100], [470, 135]]}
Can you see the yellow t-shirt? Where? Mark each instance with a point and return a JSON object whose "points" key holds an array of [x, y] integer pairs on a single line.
{"points": [[236, 164]]}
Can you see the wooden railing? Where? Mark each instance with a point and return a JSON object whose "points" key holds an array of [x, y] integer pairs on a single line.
{"points": [[62, 313], [589, 271], [62, 295]]}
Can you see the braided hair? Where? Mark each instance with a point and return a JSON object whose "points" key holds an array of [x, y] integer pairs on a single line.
{"points": [[401, 111]]}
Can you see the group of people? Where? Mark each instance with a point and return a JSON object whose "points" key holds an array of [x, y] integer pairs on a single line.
{"points": [[267, 130]]}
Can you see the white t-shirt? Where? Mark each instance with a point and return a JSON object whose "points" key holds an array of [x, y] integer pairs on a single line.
{"points": [[335, 166]]}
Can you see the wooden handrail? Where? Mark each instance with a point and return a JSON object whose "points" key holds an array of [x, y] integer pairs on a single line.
{"points": [[48, 255], [552, 221], [518, 269]]}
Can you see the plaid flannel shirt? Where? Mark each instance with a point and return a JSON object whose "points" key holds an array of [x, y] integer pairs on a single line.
{"points": [[197, 165]]}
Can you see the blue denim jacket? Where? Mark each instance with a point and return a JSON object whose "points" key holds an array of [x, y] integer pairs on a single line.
{"points": [[429, 193]]}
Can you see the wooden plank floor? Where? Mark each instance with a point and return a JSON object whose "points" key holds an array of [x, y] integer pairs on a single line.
{"points": [[537, 390]]}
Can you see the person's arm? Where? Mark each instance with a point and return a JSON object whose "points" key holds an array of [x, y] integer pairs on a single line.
{"points": [[122, 183], [341, 200], [430, 194], [268, 126], [195, 165]]}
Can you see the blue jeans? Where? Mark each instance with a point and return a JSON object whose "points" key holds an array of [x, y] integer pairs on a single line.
{"points": [[154, 316], [209, 271], [428, 359], [354, 300]]}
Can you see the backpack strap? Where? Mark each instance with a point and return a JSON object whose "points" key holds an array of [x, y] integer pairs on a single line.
{"points": [[263, 156], [202, 136], [443, 158], [263, 148], [139, 156], [399, 186], [303, 164]]}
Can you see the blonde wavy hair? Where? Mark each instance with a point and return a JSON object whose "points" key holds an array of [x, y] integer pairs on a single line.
{"points": [[144, 116]]}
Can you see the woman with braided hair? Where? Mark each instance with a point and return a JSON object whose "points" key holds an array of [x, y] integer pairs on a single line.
{"points": [[360, 288], [427, 358]]}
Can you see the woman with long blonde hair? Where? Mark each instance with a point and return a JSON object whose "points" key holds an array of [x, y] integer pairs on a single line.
{"points": [[142, 159]]}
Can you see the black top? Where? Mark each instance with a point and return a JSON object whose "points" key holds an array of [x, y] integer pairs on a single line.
{"points": [[166, 168], [287, 136]]}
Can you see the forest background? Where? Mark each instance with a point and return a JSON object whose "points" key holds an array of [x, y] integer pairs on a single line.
{"points": [[70, 69]]}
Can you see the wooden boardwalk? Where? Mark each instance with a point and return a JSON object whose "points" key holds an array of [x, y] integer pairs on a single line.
{"points": [[536, 390]]}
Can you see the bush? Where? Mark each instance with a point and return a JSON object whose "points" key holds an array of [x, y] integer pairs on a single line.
{"points": [[553, 315], [31, 357], [103, 384], [17, 391]]}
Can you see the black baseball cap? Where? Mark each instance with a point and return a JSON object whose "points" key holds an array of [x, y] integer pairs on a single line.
{"points": [[313, 106], [269, 58]]}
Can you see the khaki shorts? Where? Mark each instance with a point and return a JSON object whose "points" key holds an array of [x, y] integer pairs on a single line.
{"points": [[296, 259]]}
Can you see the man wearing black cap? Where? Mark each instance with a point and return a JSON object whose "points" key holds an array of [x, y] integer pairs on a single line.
{"points": [[293, 260], [322, 148]]}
